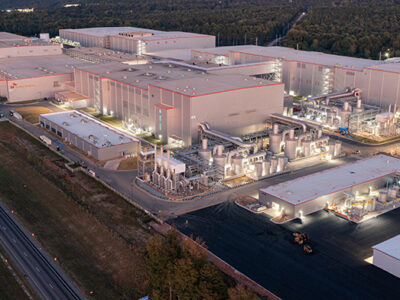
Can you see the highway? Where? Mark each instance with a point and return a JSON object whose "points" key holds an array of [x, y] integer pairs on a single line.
{"points": [[44, 276]]}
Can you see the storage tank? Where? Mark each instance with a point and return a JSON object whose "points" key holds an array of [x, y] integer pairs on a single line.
{"points": [[338, 148], [204, 152], [259, 169], [383, 196], [266, 167], [220, 158], [274, 164], [281, 163], [237, 164], [275, 140], [306, 147], [392, 192], [290, 148]]}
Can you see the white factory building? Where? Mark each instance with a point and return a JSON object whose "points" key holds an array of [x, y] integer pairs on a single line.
{"points": [[312, 73], [12, 45], [172, 100], [314, 192], [33, 69], [27, 78], [136, 40], [387, 255], [90, 135]]}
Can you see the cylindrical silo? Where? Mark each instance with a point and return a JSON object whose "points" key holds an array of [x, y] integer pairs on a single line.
{"points": [[290, 148], [281, 163], [275, 140], [306, 147], [237, 164], [266, 167], [338, 148], [259, 169], [274, 164], [204, 152], [383, 196]]}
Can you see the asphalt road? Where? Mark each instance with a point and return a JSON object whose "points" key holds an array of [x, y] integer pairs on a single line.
{"points": [[48, 281], [123, 180], [266, 253]]}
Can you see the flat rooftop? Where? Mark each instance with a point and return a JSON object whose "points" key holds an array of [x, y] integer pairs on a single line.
{"points": [[178, 78], [91, 130], [291, 54], [393, 67], [390, 247], [320, 58], [25, 42], [28, 67], [211, 84], [106, 31], [333, 180], [106, 54], [6, 36], [176, 54]]}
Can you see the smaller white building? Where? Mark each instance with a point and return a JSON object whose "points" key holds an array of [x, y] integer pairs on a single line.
{"points": [[93, 137], [387, 256]]}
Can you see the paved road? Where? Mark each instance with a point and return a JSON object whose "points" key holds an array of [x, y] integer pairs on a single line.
{"points": [[266, 253], [122, 180], [44, 276], [278, 39]]}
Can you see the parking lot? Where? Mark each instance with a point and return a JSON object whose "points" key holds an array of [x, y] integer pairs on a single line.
{"points": [[266, 252]]}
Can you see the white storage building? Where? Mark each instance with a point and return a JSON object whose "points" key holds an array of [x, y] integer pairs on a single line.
{"points": [[387, 256], [90, 135], [311, 193], [136, 40]]}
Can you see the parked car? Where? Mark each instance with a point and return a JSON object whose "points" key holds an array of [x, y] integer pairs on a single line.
{"points": [[92, 173]]}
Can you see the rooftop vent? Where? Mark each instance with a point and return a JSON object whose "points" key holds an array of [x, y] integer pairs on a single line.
{"points": [[72, 116], [124, 77], [65, 123]]}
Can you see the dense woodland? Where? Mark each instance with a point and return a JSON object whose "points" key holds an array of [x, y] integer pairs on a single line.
{"points": [[363, 31], [364, 28]]}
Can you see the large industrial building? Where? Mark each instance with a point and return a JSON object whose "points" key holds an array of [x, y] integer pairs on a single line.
{"points": [[136, 40], [353, 189], [172, 100], [387, 255], [313, 73], [27, 78], [90, 135]]}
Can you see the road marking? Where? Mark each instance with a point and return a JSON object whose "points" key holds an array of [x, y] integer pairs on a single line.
{"points": [[37, 269], [51, 286], [14, 241], [25, 253]]}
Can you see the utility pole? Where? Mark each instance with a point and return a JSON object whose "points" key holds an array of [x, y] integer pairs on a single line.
{"points": [[218, 39], [256, 40], [245, 38]]}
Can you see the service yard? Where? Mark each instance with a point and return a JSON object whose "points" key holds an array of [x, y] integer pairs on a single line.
{"points": [[97, 237], [31, 113], [267, 253]]}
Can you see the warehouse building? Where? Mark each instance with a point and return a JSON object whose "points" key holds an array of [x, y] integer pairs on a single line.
{"points": [[136, 40], [387, 256], [27, 78], [12, 45], [341, 185], [313, 73], [90, 135], [172, 100]]}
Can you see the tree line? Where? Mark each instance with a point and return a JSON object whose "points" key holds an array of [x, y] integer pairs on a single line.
{"points": [[179, 270]]}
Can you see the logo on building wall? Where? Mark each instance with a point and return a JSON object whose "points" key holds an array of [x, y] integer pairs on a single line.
{"points": [[17, 86]]}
